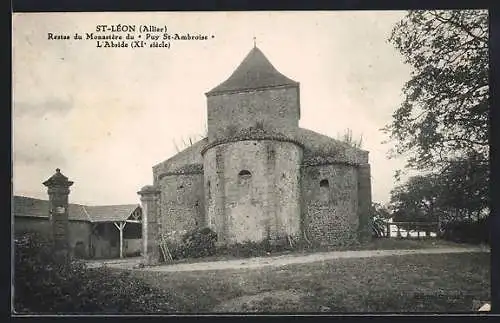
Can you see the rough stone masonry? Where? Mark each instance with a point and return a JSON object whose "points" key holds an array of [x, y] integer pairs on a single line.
{"points": [[258, 174]]}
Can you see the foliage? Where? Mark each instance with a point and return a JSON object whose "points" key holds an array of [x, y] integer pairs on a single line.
{"points": [[442, 124], [415, 200], [380, 214], [378, 228], [247, 249], [45, 282], [467, 231], [460, 192], [201, 243], [464, 192], [453, 196], [196, 243], [380, 211], [445, 111]]}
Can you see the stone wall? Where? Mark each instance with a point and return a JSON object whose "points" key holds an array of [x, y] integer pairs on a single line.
{"points": [[275, 109], [364, 203], [79, 231], [32, 224], [181, 202], [190, 155], [252, 189], [330, 203]]}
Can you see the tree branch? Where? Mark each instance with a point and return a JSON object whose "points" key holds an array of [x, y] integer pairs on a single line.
{"points": [[456, 24]]}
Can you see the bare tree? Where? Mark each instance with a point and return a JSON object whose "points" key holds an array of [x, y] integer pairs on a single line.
{"points": [[348, 138]]}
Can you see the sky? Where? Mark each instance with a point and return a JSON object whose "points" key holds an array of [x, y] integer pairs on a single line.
{"points": [[105, 116]]}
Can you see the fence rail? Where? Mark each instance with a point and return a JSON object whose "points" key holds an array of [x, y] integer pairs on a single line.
{"points": [[411, 230]]}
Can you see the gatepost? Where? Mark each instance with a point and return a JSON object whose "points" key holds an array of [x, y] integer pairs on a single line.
{"points": [[58, 190], [150, 231]]}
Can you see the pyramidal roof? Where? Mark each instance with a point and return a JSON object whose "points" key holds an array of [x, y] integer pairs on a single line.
{"points": [[255, 72]]}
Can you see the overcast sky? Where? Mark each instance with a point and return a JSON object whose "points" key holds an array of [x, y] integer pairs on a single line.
{"points": [[106, 116]]}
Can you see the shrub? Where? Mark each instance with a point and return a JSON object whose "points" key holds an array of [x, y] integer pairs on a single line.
{"points": [[48, 283], [247, 249], [467, 231], [378, 228], [196, 243], [201, 243]]}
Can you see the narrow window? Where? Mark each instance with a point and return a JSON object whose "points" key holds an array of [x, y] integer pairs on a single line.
{"points": [[324, 191], [271, 153]]}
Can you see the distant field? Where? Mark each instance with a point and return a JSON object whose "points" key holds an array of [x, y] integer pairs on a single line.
{"points": [[416, 283]]}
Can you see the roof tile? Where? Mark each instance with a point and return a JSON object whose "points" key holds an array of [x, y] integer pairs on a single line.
{"points": [[31, 207], [254, 72]]}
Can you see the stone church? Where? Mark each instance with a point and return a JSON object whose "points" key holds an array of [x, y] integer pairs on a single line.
{"points": [[259, 175]]}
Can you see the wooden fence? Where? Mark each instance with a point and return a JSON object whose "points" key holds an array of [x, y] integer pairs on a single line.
{"points": [[411, 230]]}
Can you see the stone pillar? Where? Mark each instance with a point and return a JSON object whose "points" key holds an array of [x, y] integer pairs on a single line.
{"points": [[150, 231], [364, 202], [58, 190]]}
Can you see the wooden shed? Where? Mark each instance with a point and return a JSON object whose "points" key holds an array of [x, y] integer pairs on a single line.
{"points": [[103, 231]]}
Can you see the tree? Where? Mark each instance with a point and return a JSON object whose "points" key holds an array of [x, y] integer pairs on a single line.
{"points": [[444, 114], [464, 188], [458, 193], [416, 201], [380, 211], [348, 139]]}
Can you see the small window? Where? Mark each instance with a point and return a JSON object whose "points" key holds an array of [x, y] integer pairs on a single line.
{"points": [[244, 174], [208, 188], [271, 154], [324, 191]]}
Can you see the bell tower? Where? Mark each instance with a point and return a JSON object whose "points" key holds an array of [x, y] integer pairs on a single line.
{"points": [[256, 95], [252, 162]]}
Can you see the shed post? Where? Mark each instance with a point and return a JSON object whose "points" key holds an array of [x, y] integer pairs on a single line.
{"points": [[120, 227]]}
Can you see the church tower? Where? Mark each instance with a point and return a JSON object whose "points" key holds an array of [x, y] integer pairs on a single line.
{"points": [[255, 95], [252, 161]]}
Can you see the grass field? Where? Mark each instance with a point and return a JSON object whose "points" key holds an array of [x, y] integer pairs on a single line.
{"points": [[416, 283]]}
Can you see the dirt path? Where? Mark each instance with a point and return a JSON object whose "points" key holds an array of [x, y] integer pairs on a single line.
{"points": [[287, 259]]}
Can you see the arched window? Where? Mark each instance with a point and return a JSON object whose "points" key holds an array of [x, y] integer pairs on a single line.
{"points": [[244, 178], [324, 183], [244, 174]]}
